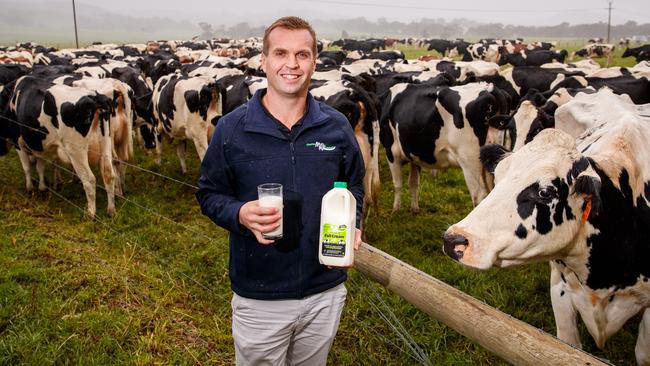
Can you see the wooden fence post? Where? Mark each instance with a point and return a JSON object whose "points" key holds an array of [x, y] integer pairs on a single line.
{"points": [[509, 338]]}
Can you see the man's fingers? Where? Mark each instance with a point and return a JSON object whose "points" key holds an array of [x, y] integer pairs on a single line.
{"points": [[260, 238], [267, 219], [265, 228]]}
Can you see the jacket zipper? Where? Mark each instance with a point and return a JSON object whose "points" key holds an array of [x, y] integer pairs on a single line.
{"points": [[292, 146]]}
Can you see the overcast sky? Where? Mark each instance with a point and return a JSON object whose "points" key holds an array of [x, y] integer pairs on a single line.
{"points": [[259, 12]]}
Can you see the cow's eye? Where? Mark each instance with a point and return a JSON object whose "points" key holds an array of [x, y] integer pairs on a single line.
{"points": [[546, 193]]}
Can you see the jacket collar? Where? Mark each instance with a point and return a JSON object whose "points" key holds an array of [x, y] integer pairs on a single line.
{"points": [[257, 120]]}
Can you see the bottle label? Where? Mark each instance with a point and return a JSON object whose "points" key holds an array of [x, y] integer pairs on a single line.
{"points": [[334, 240]]}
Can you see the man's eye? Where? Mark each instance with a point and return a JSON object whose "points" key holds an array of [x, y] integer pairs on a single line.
{"points": [[303, 56]]}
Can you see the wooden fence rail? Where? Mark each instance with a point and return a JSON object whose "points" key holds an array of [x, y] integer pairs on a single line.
{"points": [[511, 339]]}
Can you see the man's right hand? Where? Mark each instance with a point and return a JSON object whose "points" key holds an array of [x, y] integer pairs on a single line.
{"points": [[259, 219]]}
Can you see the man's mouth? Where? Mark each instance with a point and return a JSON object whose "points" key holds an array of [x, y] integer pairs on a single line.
{"points": [[290, 76]]}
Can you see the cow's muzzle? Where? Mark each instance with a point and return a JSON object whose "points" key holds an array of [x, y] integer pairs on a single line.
{"points": [[455, 245]]}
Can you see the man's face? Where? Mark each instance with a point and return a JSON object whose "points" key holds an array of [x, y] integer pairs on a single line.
{"points": [[290, 62]]}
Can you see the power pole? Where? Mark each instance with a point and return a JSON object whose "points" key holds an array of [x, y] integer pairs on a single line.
{"points": [[74, 15], [609, 21]]}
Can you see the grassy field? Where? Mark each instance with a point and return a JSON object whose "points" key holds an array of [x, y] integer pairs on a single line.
{"points": [[150, 286]]}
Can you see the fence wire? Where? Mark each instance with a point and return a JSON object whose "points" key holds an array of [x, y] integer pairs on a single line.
{"points": [[378, 305]]}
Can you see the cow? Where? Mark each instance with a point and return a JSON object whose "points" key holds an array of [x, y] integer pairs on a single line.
{"points": [[460, 47], [11, 72], [486, 52], [365, 46], [71, 124], [120, 98], [536, 113], [539, 45], [361, 108], [184, 108], [641, 53], [532, 58], [596, 50], [385, 55], [157, 65], [442, 46], [143, 120], [636, 88], [331, 57], [583, 206], [383, 82], [437, 127]]}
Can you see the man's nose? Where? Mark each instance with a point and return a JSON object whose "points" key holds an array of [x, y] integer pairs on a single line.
{"points": [[292, 61]]}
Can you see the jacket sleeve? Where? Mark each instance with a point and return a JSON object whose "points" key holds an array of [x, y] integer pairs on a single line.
{"points": [[354, 170], [216, 185]]}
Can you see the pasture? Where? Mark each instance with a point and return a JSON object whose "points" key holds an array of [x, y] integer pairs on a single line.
{"points": [[150, 285]]}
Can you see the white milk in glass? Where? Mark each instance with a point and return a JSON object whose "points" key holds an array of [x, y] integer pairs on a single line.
{"points": [[273, 201], [270, 195]]}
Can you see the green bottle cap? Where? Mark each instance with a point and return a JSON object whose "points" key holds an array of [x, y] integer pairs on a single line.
{"points": [[340, 185]]}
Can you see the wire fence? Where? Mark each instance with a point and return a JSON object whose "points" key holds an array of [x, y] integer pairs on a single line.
{"points": [[404, 342]]}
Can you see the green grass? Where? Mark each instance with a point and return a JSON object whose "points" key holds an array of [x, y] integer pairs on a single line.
{"points": [[142, 289], [150, 286], [412, 52]]}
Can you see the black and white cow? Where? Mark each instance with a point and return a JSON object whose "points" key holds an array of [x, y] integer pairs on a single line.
{"points": [[641, 53], [532, 58], [596, 50], [362, 111], [584, 206], [486, 52], [636, 88], [442, 46], [120, 98], [332, 57], [438, 127], [142, 92], [70, 124], [517, 81], [539, 45], [184, 108], [536, 113], [11, 72]]}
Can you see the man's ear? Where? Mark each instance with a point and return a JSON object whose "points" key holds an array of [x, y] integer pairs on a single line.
{"points": [[263, 62]]}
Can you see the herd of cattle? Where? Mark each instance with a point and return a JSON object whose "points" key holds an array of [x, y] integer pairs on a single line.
{"points": [[555, 155]]}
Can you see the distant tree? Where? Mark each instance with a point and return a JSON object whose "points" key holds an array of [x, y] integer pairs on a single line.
{"points": [[344, 34], [206, 31]]}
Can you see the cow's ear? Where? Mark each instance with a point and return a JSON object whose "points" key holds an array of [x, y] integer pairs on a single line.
{"points": [[589, 186], [499, 121], [491, 155]]}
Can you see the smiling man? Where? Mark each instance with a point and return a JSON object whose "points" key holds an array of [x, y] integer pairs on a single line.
{"points": [[286, 306]]}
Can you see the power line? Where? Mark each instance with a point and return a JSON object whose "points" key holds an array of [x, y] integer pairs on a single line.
{"points": [[468, 10]]}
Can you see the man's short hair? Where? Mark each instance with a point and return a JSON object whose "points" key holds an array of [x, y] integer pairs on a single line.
{"points": [[291, 23]]}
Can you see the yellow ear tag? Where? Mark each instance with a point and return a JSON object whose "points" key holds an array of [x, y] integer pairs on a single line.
{"points": [[585, 213]]}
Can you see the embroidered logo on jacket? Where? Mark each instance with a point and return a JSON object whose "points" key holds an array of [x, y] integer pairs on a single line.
{"points": [[320, 146]]}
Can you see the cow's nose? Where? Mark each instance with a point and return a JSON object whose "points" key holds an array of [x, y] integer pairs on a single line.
{"points": [[455, 245]]}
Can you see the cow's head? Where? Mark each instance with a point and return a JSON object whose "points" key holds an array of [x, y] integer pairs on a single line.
{"points": [[528, 121], [627, 53], [543, 195]]}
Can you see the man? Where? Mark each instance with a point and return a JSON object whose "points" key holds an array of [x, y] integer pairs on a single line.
{"points": [[286, 306]]}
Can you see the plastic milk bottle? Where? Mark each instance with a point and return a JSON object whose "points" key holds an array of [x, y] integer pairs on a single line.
{"points": [[337, 227]]}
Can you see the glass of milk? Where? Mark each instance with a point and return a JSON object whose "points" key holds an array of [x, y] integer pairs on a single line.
{"points": [[270, 195]]}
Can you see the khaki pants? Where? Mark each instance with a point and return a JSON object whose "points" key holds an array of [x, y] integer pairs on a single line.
{"points": [[286, 332]]}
